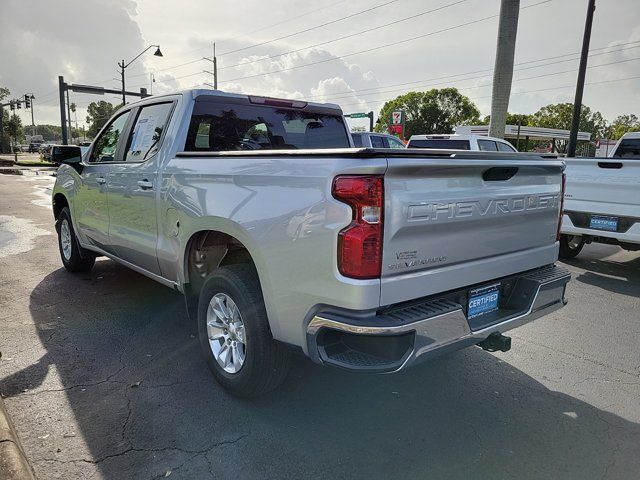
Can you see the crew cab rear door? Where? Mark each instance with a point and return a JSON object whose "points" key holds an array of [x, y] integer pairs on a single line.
{"points": [[457, 219]]}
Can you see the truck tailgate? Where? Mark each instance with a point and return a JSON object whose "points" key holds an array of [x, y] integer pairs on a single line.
{"points": [[458, 221], [607, 186]]}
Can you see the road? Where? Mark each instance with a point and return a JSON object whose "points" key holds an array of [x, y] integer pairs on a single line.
{"points": [[103, 378]]}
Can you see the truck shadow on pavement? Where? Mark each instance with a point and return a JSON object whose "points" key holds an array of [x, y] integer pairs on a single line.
{"points": [[142, 402], [612, 275]]}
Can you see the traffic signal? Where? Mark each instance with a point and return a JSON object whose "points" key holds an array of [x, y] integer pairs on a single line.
{"points": [[27, 101], [18, 104], [12, 105]]}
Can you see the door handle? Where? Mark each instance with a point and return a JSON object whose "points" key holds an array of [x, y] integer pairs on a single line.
{"points": [[100, 181], [145, 184]]}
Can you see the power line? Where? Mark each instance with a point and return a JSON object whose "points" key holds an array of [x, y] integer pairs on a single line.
{"points": [[290, 19], [348, 93], [521, 79], [337, 39], [380, 47], [322, 43], [331, 22]]}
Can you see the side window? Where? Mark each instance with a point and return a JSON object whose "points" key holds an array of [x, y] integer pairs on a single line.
{"points": [[487, 146], [395, 143], [357, 139], [505, 147], [145, 136], [377, 141], [107, 142]]}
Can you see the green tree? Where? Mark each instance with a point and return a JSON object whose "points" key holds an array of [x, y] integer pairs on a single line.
{"points": [[14, 128], [623, 124], [559, 115], [512, 119], [98, 114], [433, 111]]}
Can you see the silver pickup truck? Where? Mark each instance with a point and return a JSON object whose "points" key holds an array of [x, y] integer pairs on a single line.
{"points": [[284, 237]]}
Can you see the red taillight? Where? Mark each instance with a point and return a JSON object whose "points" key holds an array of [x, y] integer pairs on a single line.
{"points": [[564, 183], [360, 243]]}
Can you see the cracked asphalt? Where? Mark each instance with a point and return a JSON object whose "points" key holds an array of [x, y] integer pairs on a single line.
{"points": [[103, 378]]}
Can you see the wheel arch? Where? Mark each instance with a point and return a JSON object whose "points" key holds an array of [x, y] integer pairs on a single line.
{"points": [[59, 202], [219, 247]]}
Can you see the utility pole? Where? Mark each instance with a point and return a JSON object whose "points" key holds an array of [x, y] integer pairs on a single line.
{"points": [[62, 87], [503, 69], [582, 70], [33, 123], [69, 116], [122, 67], [214, 60], [152, 80]]}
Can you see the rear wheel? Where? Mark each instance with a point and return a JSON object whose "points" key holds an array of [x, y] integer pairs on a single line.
{"points": [[570, 245], [235, 336], [74, 257]]}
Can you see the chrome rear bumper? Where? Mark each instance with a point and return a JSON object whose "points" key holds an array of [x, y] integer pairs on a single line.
{"points": [[399, 336]]}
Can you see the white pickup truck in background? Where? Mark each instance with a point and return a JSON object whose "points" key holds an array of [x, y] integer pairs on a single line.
{"points": [[602, 199]]}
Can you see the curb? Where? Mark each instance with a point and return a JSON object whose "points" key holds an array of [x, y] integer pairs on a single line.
{"points": [[13, 461]]}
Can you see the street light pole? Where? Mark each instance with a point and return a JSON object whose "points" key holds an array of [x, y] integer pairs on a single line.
{"points": [[123, 65], [582, 70]]}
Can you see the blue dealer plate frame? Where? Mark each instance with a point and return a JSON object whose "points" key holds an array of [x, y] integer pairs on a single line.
{"points": [[608, 224], [483, 300]]}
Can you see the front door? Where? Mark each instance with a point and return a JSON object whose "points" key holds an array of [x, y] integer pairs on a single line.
{"points": [[91, 210], [133, 190]]}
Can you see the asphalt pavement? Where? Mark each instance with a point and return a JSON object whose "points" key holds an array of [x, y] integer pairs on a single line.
{"points": [[103, 378]]}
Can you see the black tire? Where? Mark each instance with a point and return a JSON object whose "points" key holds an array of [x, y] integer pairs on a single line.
{"points": [[74, 258], [266, 362], [570, 246]]}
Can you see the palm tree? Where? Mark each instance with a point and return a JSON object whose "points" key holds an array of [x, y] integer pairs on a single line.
{"points": [[503, 69]]}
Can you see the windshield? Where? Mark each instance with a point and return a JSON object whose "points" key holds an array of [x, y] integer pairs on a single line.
{"points": [[628, 149], [440, 143], [225, 127]]}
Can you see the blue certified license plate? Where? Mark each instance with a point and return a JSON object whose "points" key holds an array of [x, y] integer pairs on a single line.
{"points": [[483, 300], [609, 224]]}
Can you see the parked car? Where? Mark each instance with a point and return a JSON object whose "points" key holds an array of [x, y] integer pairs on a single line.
{"points": [[460, 142], [602, 200], [206, 193], [376, 140], [34, 147]]}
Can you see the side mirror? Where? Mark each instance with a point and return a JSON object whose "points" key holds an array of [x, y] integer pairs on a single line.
{"points": [[69, 154]]}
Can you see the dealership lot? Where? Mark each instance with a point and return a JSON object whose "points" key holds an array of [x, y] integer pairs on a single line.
{"points": [[103, 377]]}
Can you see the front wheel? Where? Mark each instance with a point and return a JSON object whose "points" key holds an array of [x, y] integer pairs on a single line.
{"points": [[570, 245], [235, 336], [74, 257]]}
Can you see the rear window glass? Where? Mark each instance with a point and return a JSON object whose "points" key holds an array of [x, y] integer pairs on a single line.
{"points": [[487, 146], [377, 142], [505, 147], [628, 149], [440, 143], [226, 127]]}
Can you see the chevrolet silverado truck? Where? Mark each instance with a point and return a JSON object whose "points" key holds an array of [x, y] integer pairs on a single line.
{"points": [[282, 236], [602, 199]]}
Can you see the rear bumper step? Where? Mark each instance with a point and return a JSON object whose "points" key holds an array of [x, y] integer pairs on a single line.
{"points": [[401, 335]]}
